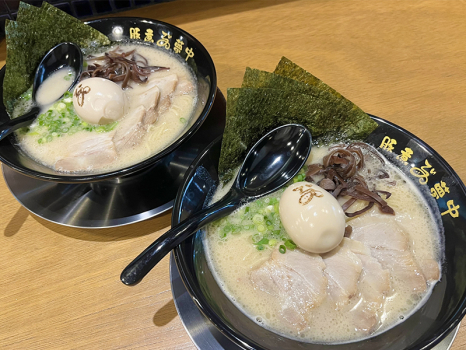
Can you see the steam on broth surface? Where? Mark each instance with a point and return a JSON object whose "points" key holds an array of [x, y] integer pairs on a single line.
{"points": [[379, 274], [134, 123]]}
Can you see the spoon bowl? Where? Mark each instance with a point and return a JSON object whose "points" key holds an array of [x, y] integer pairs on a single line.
{"points": [[60, 56], [263, 169], [273, 161]]}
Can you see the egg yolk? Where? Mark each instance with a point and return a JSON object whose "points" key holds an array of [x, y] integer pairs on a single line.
{"points": [[99, 101], [312, 217]]}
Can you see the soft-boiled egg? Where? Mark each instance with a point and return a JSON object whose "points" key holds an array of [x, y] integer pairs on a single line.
{"points": [[99, 101], [312, 217]]}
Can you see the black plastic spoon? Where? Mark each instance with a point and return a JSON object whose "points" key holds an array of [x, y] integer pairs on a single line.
{"points": [[61, 56], [273, 161]]}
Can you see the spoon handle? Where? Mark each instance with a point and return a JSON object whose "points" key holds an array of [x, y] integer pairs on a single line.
{"points": [[145, 261], [17, 123]]}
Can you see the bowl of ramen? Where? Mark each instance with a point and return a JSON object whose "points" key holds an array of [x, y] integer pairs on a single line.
{"points": [[396, 280], [140, 96]]}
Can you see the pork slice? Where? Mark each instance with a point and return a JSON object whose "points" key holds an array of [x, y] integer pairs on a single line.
{"points": [[166, 86], [131, 130], [403, 267], [88, 152], [431, 269], [390, 246], [297, 279], [374, 283], [343, 268], [184, 87], [381, 235], [357, 247], [150, 97], [365, 318], [373, 286]]}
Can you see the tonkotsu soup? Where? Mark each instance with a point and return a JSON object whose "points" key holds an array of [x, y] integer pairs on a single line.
{"points": [[132, 102], [382, 271]]}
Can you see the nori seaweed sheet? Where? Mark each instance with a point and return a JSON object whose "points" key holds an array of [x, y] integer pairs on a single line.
{"points": [[290, 95], [252, 112], [255, 78], [358, 124], [289, 69], [28, 39]]}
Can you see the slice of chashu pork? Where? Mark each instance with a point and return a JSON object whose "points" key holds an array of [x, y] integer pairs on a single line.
{"points": [[390, 245], [91, 150], [347, 278], [101, 149], [373, 287], [343, 268], [297, 279], [152, 103]]}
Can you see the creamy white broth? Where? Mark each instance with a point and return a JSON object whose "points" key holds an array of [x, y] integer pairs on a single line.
{"points": [[168, 127], [55, 86], [233, 259]]}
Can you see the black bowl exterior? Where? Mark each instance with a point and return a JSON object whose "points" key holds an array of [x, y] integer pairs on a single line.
{"points": [[425, 328], [123, 29]]}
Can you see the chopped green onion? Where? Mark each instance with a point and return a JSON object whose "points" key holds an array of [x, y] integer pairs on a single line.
{"points": [[258, 218], [256, 238], [290, 244], [269, 209], [263, 241], [282, 249]]}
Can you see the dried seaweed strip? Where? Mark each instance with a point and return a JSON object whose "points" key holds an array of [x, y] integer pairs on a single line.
{"points": [[359, 119], [255, 78], [71, 29], [289, 95], [28, 13], [253, 112], [289, 69], [358, 124], [19, 66]]}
